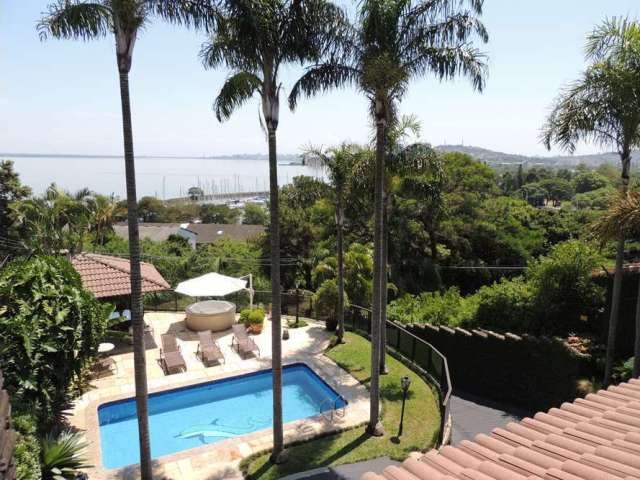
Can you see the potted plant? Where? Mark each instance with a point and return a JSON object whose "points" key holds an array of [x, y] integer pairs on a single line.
{"points": [[252, 319]]}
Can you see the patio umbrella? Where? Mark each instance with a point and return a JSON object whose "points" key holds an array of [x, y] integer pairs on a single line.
{"points": [[211, 285]]}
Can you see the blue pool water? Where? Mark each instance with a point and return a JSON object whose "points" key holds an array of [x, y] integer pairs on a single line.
{"points": [[210, 412]]}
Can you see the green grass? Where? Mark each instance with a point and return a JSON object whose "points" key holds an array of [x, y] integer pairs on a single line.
{"points": [[421, 420]]}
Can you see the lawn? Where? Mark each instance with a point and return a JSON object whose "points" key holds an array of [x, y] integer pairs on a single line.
{"points": [[421, 420]]}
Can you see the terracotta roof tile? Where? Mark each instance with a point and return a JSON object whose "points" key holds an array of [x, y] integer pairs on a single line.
{"points": [[107, 276], [596, 438]]}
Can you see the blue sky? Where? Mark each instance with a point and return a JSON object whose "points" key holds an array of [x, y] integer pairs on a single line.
{"points": [[62, 96]]}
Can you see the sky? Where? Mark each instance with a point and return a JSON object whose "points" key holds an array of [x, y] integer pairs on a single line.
{"points": [[62, 96]]}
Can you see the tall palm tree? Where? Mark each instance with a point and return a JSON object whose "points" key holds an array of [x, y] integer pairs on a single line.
{"points": [[603, 106], [406, 126], [85, 20], [338, 161], [256, 39], [622, 220], [393, 42]]}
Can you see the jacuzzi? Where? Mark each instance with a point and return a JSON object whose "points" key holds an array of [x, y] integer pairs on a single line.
{"points": [[214, 315]]}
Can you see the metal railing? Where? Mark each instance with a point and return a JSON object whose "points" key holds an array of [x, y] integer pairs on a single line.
{"points": [[422, 357], [334, 411]]}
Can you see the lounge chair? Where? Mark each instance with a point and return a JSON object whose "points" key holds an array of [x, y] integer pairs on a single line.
{"points": [[170, 357], [208, 349], [241, 340]]}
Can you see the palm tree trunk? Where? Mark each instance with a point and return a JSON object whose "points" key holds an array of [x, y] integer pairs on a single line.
{"points": [[139, 359], [384, 286], [339, 241], [625, 158], [276, 321], [375, 427], [636, 349]]}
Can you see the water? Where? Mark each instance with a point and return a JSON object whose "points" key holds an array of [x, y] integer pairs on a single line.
{"points": [[210, 412], [156, 176]]}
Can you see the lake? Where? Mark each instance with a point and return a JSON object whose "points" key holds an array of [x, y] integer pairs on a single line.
{"points": [[157, 176]]}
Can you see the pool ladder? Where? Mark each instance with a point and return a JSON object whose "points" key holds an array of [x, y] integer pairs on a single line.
{"points": [[333, 412]]}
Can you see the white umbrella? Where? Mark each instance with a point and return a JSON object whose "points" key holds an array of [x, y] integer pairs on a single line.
{"points": [[211, 285]]}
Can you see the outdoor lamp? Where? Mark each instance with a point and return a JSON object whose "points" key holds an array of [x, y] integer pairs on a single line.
{"points": [[405, 383]]}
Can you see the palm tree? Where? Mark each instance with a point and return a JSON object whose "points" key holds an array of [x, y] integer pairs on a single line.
{"points": [[622, 220], [255, 39], [104, 211], [394, 42], [338, 162], [85, 20], [603, 106]]}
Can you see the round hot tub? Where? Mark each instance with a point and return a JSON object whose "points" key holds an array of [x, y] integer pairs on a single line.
{"points": [[214, 315]]}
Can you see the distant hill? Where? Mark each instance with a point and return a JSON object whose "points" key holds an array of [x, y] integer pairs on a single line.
{"points": [[500, 158]]}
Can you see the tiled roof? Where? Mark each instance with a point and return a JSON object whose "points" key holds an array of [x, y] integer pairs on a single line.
{"points": [[595, 438], [211, 232], [107, 276]]}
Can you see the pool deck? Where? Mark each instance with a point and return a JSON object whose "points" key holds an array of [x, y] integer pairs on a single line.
{"points": [[219, 460]]}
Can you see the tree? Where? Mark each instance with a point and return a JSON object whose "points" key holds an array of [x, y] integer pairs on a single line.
{"points": [[603, 106], [210, 213], [53, 223], [393, 42], [151, 209], [557, 190], [84, 20], [589, 181], [195, 193], [11, 190], [50, 328], [622, 220], [338, 162], [103, 211], [254, 214], [255, 39]]}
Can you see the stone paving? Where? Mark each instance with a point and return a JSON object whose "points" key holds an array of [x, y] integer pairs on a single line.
{"points": [[219, 460]]}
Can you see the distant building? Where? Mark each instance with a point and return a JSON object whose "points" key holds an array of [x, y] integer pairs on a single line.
{"points": [[195, 233]]}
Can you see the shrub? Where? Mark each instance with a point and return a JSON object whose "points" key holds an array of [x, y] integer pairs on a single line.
{"points": [[563, 286], [63, 456], [253, 316], [506, 305], [448, 308], [50, 329], [326, 302], [27, 449]]}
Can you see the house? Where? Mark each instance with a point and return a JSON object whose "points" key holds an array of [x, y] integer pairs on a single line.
{"points": [[207, 233], [195, 233], [108, 277], [594, 438]]}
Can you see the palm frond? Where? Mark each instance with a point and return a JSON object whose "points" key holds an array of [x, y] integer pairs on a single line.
{"points": [[237, 89], [199, 14], [322, 77], [610, 38], [450, 62], [602, 106], [622, 219], [75, 19]]}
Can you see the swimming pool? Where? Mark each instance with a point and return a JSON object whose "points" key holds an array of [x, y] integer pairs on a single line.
{"points": [[210, 412]]}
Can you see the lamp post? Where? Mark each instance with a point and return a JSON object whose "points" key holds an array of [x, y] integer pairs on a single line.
{"points": [[405, 383], [297, 301]]}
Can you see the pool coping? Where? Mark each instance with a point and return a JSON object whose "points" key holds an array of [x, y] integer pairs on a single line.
{"points": [[221, 456]]}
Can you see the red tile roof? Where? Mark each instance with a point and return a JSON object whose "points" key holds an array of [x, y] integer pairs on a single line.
{"points": [[594, 438], [107, 276]]}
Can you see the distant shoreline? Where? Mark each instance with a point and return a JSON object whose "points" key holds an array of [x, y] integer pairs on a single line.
{"points": [[243, 156]]}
